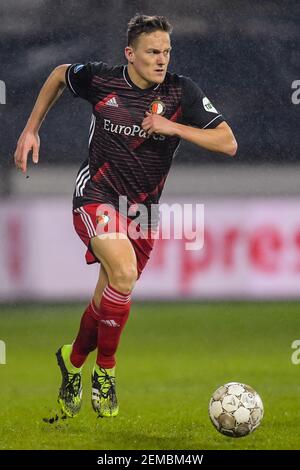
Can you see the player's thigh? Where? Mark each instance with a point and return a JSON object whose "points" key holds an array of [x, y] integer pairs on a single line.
{"points": [[116, 254]]}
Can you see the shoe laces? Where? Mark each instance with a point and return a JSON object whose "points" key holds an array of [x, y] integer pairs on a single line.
{"points": [[107, 382], [73, 384]]}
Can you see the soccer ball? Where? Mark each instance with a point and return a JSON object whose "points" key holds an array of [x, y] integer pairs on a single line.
{"points": [[235, 409]]}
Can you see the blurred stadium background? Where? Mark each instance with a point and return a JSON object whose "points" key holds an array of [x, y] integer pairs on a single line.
{"points": [[245, 55]]}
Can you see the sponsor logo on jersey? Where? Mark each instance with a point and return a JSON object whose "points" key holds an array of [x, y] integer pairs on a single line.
{"points": [[78, 67], [157, 107], [102, 219], [132, 131], [208, 106]]}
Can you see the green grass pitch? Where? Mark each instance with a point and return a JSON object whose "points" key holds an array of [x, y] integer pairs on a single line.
{"points": [[171, 358]]}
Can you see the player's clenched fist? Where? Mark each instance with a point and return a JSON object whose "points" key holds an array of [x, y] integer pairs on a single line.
{"points": [[27, 142]]}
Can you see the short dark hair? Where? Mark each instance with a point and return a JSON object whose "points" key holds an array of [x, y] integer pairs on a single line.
{"points": [[146, 24]]}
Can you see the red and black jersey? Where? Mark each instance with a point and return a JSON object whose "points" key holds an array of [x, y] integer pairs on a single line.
{"points": [[123, 160]]}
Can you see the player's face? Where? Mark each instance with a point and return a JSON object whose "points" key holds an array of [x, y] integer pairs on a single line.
{"points": [[149, 58]]}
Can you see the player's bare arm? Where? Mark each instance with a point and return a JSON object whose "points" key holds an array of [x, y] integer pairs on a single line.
{"points": [[220, 139], [29, 139]]}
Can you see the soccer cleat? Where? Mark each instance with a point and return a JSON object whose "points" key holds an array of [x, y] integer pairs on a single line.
{"points": [[70, 392], [104, 398]]}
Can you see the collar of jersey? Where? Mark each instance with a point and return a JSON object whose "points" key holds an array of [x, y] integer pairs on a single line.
{"points": [[135, 87]]}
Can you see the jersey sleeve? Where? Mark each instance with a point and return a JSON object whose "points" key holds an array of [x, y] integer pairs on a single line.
{"points": [[197, 110], [79, 77]]}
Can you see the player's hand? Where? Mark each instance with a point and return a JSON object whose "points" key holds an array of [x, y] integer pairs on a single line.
{"points": [[28, 141], [156, 124]]}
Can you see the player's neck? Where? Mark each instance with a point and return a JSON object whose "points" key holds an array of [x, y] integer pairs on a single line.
{"points": [[138, 81]]}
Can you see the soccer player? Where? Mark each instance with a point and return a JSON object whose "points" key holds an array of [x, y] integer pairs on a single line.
{"points": [[139, 114]]}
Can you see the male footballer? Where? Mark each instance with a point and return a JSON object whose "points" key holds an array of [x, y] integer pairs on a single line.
{"points": [[140, 112]]}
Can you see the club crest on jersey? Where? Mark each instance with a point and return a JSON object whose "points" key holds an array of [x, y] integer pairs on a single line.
{"points": [[157, 107], [102, 219]]}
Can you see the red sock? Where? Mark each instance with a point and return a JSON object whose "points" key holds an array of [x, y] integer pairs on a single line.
{"points": [[86, 340], [113, 314]]}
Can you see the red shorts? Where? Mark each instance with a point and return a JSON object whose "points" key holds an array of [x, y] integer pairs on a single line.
{"points": [[95, 219]]}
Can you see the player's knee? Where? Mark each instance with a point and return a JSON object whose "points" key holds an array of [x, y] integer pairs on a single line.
{"points": [[124, 277]]}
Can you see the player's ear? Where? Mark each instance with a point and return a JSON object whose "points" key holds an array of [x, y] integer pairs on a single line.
{"points": [[129, 54]]}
